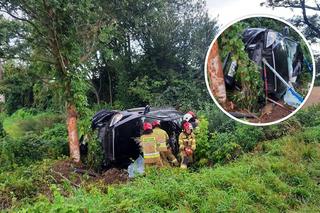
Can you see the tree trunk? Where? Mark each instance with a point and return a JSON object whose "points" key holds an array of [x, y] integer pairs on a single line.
{"points": [[2, 98], [215, 74], [73, 133], [96, 93], [110, 88]]}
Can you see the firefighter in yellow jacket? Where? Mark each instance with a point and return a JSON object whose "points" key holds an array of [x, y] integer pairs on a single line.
{"points": [[163, 143], [150, 147], [187, 144]]}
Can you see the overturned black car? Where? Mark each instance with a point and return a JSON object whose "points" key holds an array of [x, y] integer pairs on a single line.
{"points": [[118, 131], [282, 52]]}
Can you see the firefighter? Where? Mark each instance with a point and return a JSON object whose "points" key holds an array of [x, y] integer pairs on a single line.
{"points": [[191, 118], [150, 147], [163, 143], [187, 144]]}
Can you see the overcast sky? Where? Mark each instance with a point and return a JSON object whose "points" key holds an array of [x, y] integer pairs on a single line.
{"points": [[227, 11]]}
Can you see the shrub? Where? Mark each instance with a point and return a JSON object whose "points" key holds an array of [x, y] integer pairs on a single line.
{"points": [[94, 159], [24, 183], [30, 147], [311, 135], [23, 122], [259, 183], [248, 136], [202, 136], [309, 117], [2, 117], [219, 122]]}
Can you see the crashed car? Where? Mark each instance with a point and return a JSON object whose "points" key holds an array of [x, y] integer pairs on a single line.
{"points": [[119, 131], [280, 51]]}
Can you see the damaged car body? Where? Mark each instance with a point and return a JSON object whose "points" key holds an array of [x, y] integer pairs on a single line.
{"points": [[119, 131], [279, 50]]}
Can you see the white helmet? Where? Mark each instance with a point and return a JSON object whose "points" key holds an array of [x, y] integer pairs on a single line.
{"points": [[187, 117]]}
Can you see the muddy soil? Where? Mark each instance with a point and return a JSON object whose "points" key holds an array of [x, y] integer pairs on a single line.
{"points": [[114, 175], [276, 114], [77, 173]]}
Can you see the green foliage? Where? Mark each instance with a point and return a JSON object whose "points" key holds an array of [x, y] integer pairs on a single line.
{"points": [[2, 117], [287, 127], [220, 147], [248, 136], [17, 86], [219, 122], [95, 157], [143, 89], [255, 183], [248, 74], [25, 121], [310, 116], [311, 135], [202, 137], [25, 183], [31, 148]]}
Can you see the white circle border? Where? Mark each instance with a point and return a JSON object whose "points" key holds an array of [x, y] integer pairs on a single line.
{"points": [[221, 30]]}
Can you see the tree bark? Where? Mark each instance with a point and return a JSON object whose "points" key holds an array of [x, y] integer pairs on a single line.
{"points": [[215, 74], [2, 97], [73, 133], [110, 88], [306, 19]]}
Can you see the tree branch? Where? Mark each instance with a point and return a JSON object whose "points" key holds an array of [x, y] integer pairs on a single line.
{"points": [[24, 20], [306, 20]]}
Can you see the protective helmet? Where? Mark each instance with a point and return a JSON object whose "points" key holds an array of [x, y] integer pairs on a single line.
{"points": [[147, 126], [187, 117], [186, 126], [155, 123], [192, 114]]}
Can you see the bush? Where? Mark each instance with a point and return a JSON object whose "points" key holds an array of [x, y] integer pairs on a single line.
{"points": [[25, 183], [219, 122], [289, 126], [259, 183], [95, 158], [23, 122], [248, 136], [311, 135], [30, 147], [202, 137], [309, 117], [2, 117]]}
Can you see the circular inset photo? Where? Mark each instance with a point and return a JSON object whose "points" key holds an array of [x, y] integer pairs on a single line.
{"points": [[259, 70]]}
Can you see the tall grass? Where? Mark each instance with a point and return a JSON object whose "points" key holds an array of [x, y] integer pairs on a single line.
{"points": [[280, 175]]}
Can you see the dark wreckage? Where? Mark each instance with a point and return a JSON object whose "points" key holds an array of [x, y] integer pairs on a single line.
{"points": [[118, 131]]}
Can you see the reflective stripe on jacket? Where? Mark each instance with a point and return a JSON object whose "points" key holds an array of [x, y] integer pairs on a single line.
{"points": [[186, 140], [149, 146], [162, 138]]}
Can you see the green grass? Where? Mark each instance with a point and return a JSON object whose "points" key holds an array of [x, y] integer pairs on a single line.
{"points": [[23, 122], [280, 175]]}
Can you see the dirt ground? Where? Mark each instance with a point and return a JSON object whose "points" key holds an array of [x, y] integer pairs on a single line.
{"points": [[278, 112], [314, 98], [76, 174], [272, 113]]}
